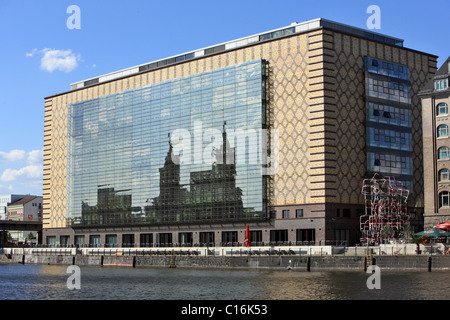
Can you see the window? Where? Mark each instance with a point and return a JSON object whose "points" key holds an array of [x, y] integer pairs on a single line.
{"points": [[146, 239], [206, 238], [346, 213], [256, 237], [94, 241], [444, 175], [278, 236], [128, 240], [299, 213], [444, 199], [285, 214], [111, 240], [444, 153], [341, 236], [305, 235], [442, 131], [442, 109], [441, 84], [185, 238], [79, 241], [51, 241], [229, 237], [64, 241]]}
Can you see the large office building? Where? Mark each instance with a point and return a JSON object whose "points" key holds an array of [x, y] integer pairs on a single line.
{"points": [[436, 139], [274, 131]]}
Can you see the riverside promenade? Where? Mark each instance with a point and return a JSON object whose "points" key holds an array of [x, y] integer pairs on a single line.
{"points": [[399, 257]]}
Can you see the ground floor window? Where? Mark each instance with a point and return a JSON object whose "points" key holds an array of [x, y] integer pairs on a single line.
{"points": [[228, 237], [341, 235], [51, 241], [206, 238], [94, 241], [146, 239], [278, 236], [255, 237], [64, 241], [306, 235], [164, 239], [185, 238], [128, 240], [79, 241], [111, 240]]}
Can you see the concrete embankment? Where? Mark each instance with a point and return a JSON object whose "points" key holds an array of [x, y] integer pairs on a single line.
{"points": [[295, 263]]}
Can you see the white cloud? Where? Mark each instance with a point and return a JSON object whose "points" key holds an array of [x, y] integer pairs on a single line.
{"points": [[55, 59], [35, 157], [32, 53], [13, 155], [29, 172], [62, 60], [31, 169], [9, 188]]}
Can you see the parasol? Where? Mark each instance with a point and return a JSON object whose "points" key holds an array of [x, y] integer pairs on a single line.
{"points": [[443, 226], [247, 236], [433, 232]]}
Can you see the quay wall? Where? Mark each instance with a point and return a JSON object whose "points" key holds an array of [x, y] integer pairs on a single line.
{"points": [[295, 263]]}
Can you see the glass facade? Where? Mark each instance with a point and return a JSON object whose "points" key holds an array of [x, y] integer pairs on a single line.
{"points": [[123, 167], [388, 119]]}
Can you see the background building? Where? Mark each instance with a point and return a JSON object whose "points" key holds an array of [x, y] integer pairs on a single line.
{"points": [[436, 141], [28, 208], [344, 102], [5, 200]]}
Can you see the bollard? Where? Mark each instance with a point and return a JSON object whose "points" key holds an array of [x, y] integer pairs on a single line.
{"points": [[429, 264], [308, 264]]}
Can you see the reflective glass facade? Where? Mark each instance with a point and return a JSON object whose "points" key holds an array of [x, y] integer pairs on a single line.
{"points": [[389, 119], [121, 159]]}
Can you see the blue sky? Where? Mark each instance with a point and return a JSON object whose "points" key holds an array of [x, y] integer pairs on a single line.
{"points": [[41, 56]]}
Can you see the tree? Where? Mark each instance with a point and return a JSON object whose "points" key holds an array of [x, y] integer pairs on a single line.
{"points": [[418, 240]]}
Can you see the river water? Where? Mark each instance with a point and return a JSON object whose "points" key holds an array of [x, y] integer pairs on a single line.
{"points": [[50, 282]]}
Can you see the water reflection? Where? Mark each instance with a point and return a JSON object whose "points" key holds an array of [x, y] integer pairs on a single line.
{"points": [[47, 282]]}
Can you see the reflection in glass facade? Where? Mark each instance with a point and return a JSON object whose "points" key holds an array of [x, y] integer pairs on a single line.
{"points": [[121, 168], [388, 119]]}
